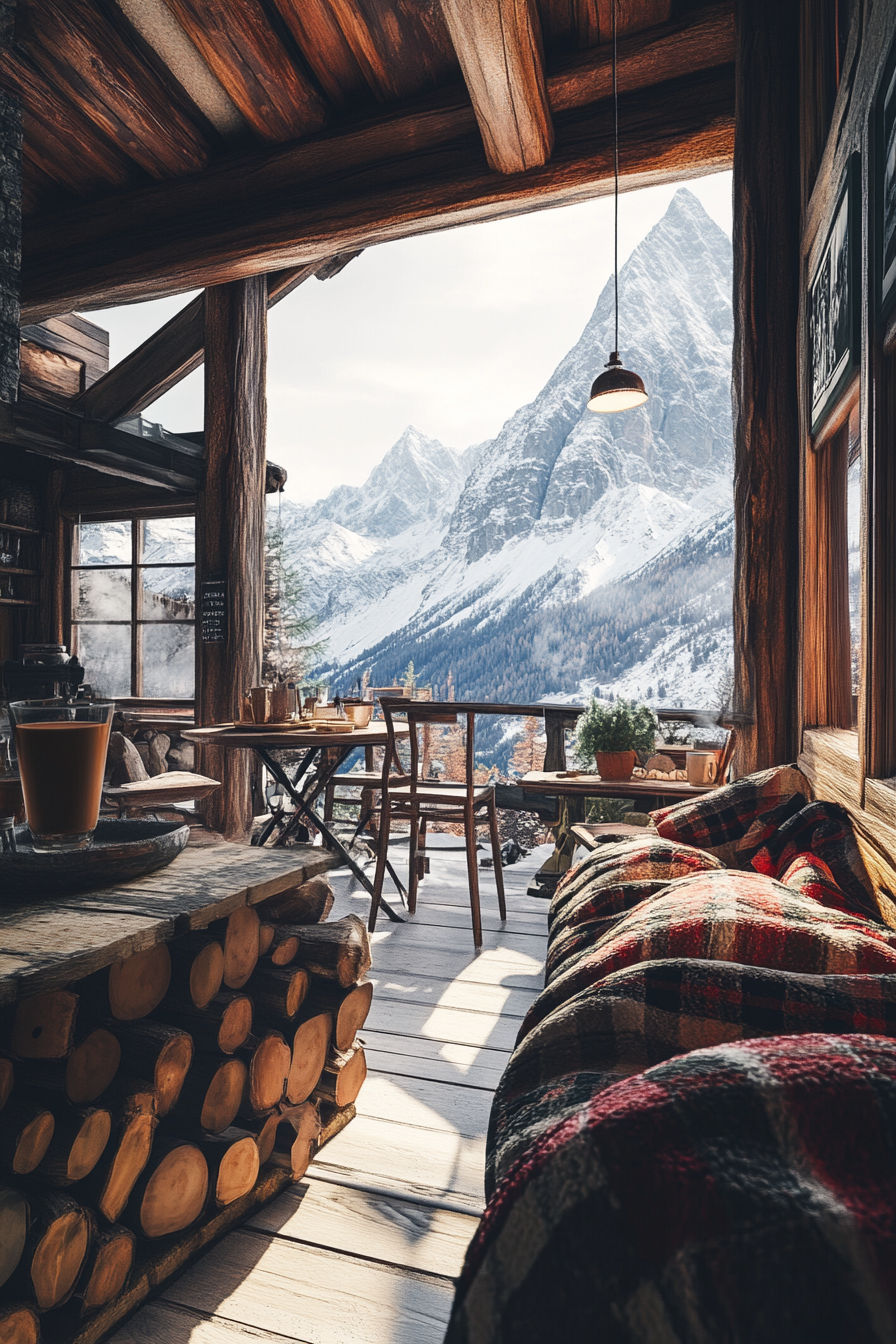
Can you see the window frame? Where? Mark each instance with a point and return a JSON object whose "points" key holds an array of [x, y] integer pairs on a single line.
{"points": [[137, 522]]}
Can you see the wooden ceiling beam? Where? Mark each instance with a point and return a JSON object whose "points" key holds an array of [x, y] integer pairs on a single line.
{"points": [[391, 176], [173, 352], [498, 44], [83, 56], [632, 16], [240, 47]]}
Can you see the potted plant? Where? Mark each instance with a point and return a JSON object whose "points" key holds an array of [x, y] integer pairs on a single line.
{"points": [[612, 734]]}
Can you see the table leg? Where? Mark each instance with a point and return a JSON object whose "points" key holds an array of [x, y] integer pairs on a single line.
{"points": [[544, 883], [332, 841]]}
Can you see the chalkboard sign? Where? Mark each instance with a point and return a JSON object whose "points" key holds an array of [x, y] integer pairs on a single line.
{"points": [[214, 611]]}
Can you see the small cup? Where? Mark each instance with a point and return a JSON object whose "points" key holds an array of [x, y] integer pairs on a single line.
{"points": [[703, 768], [280, 703], [260, 696], [360, 714]]}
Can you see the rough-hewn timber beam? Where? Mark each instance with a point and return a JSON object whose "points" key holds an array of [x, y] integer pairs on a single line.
{"points": [[765, 382], [175, 350], [391, 177], [498, 44], [55, 432], [230, 530], [10, 222]]}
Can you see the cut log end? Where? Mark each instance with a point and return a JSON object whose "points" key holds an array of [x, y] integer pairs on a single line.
{"points": [[13, 1231], [240, 946], [236, 1024], [171, 1068], [174, 1195], [343, 1077], [6, 1080], [352, 1014], [223, 1096], [309, 1053], [44, 1026], [268, 1070], [105, 1275], [89, 1145], [138, 984], [18, 1324], [266, 1137], [207, 974], [285, 949], [26, 1129], [91, 1066], [128, 1161], [59, 1254], [237, 1172]]}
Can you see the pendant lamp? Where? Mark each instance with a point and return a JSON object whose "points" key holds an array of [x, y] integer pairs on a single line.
{"points": [[619, 389]]}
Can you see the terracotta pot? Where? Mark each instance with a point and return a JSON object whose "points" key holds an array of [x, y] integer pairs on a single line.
{"points": [[615, 764]]}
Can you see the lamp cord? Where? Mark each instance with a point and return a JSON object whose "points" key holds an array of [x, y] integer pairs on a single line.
{"points": [[615, 183]]}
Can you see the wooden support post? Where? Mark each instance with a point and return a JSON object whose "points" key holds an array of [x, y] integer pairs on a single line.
{"points": [[766, 381], [10, 223], [230, 530]]}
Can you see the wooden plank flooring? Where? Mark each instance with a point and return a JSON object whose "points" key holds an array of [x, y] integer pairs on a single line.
{"points": [[364, 1250]]}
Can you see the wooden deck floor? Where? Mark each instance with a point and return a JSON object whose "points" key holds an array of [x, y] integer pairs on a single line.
{"points": [[364, 1250]]}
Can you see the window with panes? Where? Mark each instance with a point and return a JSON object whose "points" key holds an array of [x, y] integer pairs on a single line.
{"points": [[133, 606]]}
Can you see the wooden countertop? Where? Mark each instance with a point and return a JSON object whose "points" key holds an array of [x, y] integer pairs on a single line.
{"points": [[375, 735], [47, 944], [592, 786]]}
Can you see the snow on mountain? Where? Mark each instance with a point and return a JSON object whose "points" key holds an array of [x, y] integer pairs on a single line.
{"points": [[441, 556]]}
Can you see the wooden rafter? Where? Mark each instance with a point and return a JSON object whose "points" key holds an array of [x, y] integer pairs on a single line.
{"points": [[342, 191], [175, 350], [498, 44]]}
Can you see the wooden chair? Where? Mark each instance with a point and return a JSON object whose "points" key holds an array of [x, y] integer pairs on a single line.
{"points": [[406, 796]]}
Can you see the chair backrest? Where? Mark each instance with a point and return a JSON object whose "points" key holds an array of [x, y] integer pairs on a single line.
{"points": [[420, 716]]}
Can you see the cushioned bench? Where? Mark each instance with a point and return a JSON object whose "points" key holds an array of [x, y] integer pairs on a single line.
{"points": [[695, 1137]]}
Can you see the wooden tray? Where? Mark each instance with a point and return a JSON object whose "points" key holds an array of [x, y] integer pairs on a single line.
{"points": [[119, 852]]}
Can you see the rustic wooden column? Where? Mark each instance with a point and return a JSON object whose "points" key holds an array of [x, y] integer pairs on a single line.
{"points": [[230, 530], [765, 381], [10, 222]]}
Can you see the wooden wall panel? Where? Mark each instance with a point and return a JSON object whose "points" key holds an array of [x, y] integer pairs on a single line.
{"points": [[765, 380], [827, 681]]}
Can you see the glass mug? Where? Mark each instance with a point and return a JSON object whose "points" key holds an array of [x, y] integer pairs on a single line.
{"points": [[62, 759]]}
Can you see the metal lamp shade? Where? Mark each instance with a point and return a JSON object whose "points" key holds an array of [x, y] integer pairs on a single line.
{"points": [[617, 389]]}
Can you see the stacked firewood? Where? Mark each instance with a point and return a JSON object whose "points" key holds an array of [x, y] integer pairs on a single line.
{"points": [[146, 1098]]}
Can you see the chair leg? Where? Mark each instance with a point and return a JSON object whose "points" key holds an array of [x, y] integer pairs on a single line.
{"points": [[496, 856], [473, 875], [412, 864], [380, 874], [421, 850], [329, 797]]}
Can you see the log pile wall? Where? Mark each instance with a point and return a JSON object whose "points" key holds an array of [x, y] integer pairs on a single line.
{"points": [[147, 1108]]}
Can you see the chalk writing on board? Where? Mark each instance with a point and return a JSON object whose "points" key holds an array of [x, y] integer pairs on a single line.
{"points": [[214, 611]]}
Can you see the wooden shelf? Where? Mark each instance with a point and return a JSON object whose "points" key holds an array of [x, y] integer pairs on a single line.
{"points": [[17, 602], [9, 569], [21, 531]]}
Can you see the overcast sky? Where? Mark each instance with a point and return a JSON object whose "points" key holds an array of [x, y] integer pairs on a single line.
{"points": [[449, 331]]}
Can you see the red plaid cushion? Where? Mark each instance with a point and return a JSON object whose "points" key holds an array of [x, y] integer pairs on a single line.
{"points": [[596, 913], [825, 830], [811, 877], [726, 916], [738, 818], [745, 1194]]}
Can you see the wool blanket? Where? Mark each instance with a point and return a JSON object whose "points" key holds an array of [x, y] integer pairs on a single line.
{"points": [[744, 1194], [647, 860], [646, 1013], [724, 916]]}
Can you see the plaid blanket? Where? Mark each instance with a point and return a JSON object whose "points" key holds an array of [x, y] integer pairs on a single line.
{"points": [[597, 913], [648, 860], [743, 1193], [725, 916], [644, 1014], [812, 877], [825, 830], [735, 821]]}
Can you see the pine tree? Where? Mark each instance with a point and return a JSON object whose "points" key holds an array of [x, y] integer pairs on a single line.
{"points": [[287, 649], [528, 754]]}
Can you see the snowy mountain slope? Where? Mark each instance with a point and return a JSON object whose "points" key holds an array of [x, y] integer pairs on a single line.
{"points": [[439, 552]]}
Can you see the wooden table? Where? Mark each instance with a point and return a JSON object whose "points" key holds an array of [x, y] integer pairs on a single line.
{"points": [[315, 768], [46, 944], [572, 790]]}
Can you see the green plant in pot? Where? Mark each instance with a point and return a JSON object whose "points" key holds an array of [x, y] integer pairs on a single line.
{"points": [[613, 734]]}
